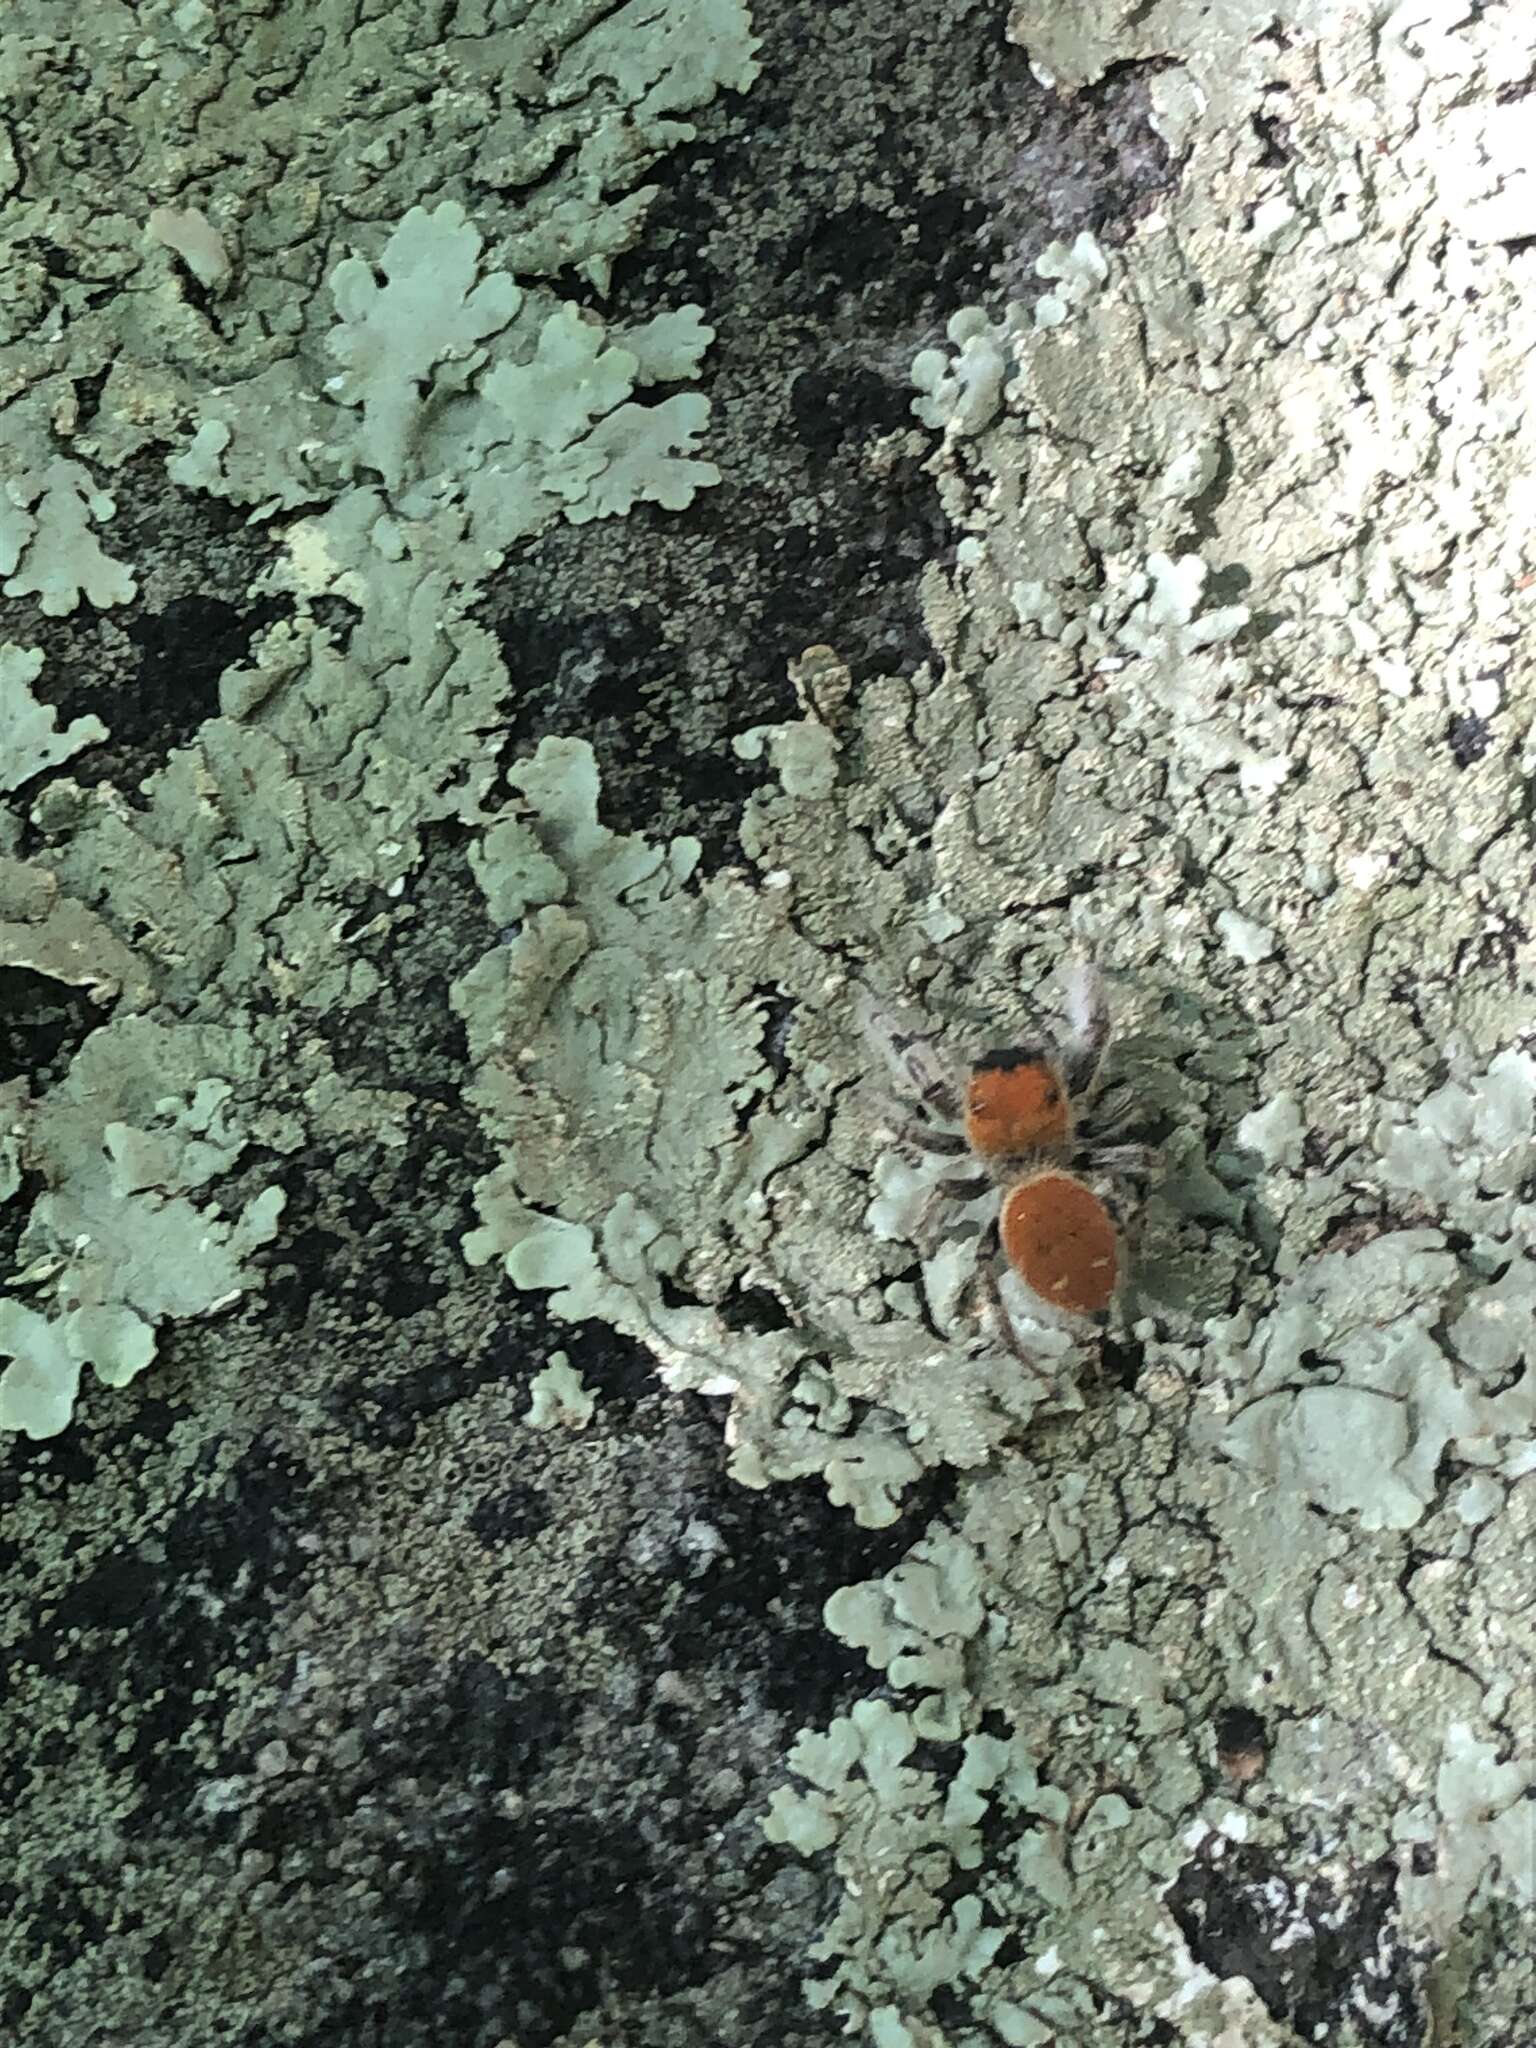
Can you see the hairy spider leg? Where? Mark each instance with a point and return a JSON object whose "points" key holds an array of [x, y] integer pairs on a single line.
{"points": [[986, 1278], [929, 1138], [950, 1188], [1085, 1012], [911, 1057], [1136, 1163]]}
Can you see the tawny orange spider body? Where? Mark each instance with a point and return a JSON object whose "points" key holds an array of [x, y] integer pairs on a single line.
{"points": [[1015, 1103], [1012, 1124], [1061, 1241]]}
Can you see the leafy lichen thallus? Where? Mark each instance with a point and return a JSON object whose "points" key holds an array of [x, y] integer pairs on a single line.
{"points": [[1021, 1123]]}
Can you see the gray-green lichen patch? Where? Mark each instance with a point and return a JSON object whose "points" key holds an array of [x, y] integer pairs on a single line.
{"points": [[53, 934], [117, 1244], [555, 114], [424, 407], [1285, 742], [560, 1400], [30, 741], [462, 405], [649, 1152], [575, 109], [1376, 1364], [620, 1067], [49, 549]]}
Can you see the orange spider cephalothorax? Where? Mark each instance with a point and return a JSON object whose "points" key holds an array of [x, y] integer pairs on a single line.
{"points": [[1061, 1241], [1015, 1103]]}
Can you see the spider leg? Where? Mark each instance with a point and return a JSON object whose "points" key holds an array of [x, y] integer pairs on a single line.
{"points": [[929, 1138], [897, 1121], [910, 1056], [1135, 1163], [992, 1289], [947, 1189], [1114, 1110], [1085, 1013], [985, 1281], [977, 1283]]}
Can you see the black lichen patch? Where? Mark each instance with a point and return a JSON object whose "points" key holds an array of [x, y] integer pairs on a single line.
{"points": [[377, 1260], [1317, 1956], [892, 265], [746, 1602], [1242, 1743], [870, 231], [388, 1246], [1123, 1359], [474, 1725], [49, 1470], [1092, 163], [753, 1309], [1273, 129], [618, 1369], [177, 655], [1239, 1729], [146, 1633], [586, 667], [407, 1037], [530, 1922], [1502, 947], [43, 1023], [385, 1404], [832, 403], [522, 1854], [182, 651], [859, 593], [1468, 738], [614, 679], [510, 1515]]}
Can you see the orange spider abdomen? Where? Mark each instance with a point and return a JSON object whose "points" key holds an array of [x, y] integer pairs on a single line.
{"points": [[1015, 1103], [1062, 1242]]}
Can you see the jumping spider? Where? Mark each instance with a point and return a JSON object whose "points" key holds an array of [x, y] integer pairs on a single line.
{"points": [[1021, 1121]]}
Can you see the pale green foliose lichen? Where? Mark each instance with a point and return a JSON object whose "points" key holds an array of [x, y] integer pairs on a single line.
{"points": [[53, 934], [560, 1400], [123, 1238], [482, 410], [412, 408], [617, 1029], [30, 741], [49, 515], [1375, 1364]]}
